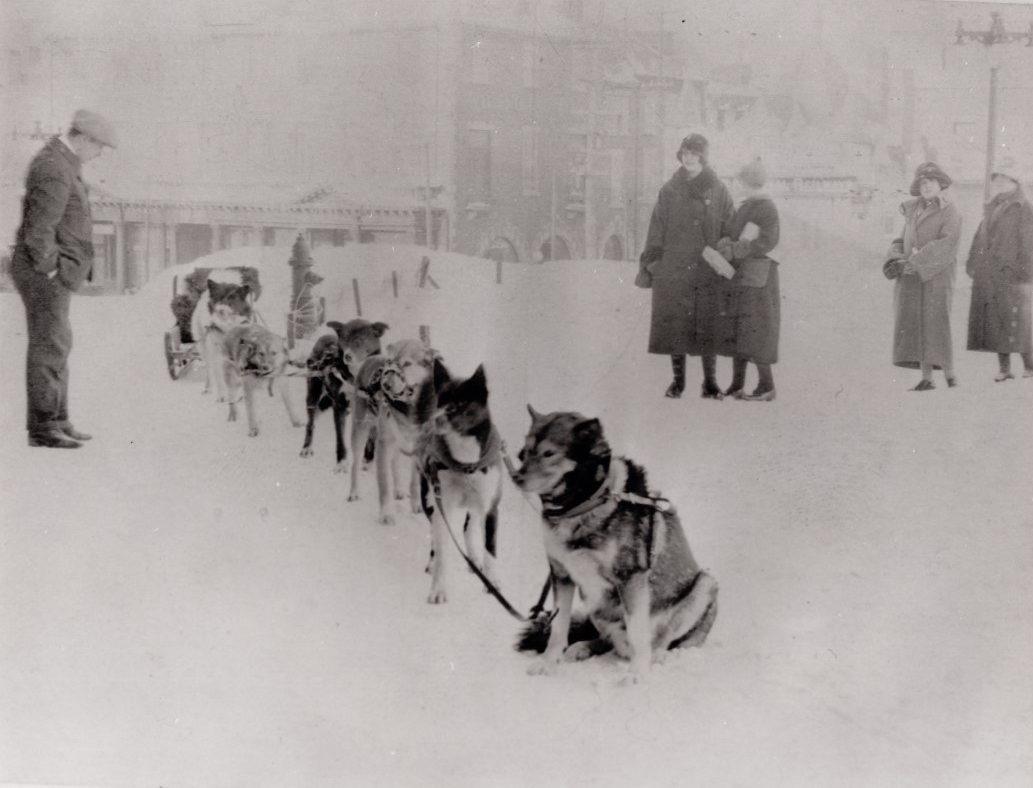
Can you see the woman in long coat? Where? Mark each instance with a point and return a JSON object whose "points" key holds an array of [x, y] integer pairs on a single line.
{"points": [[1001, 266], [692, 212], [922, 261], [751, 310]]}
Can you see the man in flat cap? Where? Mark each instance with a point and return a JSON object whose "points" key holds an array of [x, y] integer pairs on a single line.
{"points": [[53, 256]]}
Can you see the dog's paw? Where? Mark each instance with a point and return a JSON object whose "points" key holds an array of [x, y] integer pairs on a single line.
{"points": [[353, 497], [437, 596], [306, 453], [295, 423], [399, 496], [341, 467], [253, 432], [386, 519], [578, 652]]}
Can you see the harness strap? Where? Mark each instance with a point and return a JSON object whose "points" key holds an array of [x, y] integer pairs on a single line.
{"points": [[489, 586], [437, 450]]}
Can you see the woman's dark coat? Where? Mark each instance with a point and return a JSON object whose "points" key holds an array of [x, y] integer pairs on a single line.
{"points": [[750, 311], [689, 215], [1001, 266], [922, 300]]}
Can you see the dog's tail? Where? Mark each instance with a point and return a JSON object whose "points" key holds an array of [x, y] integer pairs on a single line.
{"points": [[535, 636]]}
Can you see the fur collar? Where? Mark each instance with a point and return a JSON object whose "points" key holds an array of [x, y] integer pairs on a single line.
{"points": [[1003, 200], [697, 187], [600, 503]]}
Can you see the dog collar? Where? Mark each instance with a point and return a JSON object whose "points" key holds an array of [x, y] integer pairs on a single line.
{"points": [[441, 456], [614, 479], [610, 491]]}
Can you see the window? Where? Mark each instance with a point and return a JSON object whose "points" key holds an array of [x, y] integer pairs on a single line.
{"points": [[578, 157], [478, 148], [478, 65], [617, 176], [529, 161]]}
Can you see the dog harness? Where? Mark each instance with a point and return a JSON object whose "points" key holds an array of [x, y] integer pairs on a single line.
{"points": [[608, 494], [436, 456]]}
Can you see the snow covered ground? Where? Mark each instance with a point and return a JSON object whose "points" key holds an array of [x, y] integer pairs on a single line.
{"points": [[183, 605]]}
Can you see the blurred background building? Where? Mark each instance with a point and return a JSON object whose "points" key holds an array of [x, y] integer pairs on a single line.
{"points": [[515, 130]]}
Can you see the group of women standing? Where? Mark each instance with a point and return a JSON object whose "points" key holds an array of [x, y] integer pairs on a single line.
{"points": [[715, 287], [1000, 262]]}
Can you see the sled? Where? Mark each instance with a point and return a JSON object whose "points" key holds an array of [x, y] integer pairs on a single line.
{"points": [[182, 349]]}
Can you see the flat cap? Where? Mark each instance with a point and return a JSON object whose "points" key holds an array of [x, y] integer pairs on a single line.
{"points": [[95, 126]]}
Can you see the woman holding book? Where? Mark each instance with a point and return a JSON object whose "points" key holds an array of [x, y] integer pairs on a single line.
{"points": [[750, 314], [692, 212]]}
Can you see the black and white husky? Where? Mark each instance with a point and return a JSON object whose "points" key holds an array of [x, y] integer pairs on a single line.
{"points": [[459, 458]]}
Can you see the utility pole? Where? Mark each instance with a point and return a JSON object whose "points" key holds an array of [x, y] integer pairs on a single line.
{"points": [[989, 38], [426, 197], [552, 230]]}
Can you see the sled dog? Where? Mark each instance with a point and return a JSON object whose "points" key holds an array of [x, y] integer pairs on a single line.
{"points": [[327, 388], [223, 306], [255, 355], [622, 548], [385, 401], [459, 456]]}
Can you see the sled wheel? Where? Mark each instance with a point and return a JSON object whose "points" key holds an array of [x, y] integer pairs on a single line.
{"points": [[175, 363]]}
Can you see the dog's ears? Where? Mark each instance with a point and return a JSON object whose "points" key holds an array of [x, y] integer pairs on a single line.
{"points": [[336, 327], [535, 415], [379, 329], [477, 384], [588, 434]]}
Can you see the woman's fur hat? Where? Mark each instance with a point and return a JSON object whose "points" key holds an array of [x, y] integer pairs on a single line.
{"points": [[929, 170], [754, 174], [696, 143]]}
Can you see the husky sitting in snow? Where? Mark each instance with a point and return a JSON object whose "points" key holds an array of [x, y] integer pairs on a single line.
{"points": [[617, 544], [459, 456]]}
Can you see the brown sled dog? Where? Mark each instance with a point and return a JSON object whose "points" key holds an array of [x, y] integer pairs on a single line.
{"points": [[254, 356], [616, 543]]}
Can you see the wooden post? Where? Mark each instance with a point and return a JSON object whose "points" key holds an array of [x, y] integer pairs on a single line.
{"points": [[394, 282], [425, 335], [358, 300], [425, 274], [498, 272]]}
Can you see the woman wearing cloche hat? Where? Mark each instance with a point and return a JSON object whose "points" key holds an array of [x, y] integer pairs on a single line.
{"points": [[922, 261], [1001, 266], [692, 212]]}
